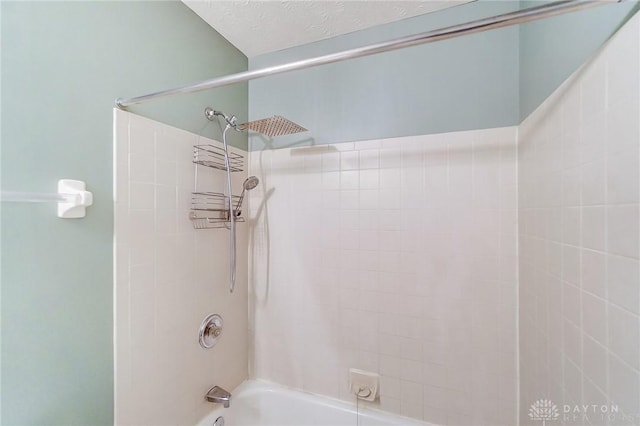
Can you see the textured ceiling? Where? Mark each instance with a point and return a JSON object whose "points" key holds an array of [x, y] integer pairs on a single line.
{"points": [[256, 27]]}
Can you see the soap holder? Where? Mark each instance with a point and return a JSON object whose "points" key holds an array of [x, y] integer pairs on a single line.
{"points": [[364, 384]]}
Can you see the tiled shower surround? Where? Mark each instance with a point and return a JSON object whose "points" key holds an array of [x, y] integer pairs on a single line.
{"points": [[579, 225], [395, 256], [477, 272], [168, 277]]}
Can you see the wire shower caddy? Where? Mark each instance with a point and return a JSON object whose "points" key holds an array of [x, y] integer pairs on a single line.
{"points": [[210, 210]]}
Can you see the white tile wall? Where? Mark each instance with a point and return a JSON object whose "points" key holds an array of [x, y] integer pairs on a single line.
{"points": [[397, 256], [579, 196], [168, 277]]}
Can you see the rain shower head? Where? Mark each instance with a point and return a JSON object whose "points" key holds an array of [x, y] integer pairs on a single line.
{"points": [[273, 126]]}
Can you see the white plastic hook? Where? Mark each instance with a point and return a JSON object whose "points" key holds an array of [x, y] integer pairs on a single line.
{"points": [[78, 199]]}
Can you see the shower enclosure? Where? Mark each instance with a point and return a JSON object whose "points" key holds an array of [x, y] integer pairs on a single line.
{"points": [[459, 266]]}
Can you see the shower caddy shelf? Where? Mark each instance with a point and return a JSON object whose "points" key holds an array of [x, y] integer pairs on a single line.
{"points": [[213, 156], [209, 210]]}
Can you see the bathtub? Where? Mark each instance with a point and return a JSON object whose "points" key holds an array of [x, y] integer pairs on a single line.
{"points": [[259, 403]]}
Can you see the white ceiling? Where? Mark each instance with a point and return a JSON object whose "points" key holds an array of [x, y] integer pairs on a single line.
{"points": [[261, 26]]}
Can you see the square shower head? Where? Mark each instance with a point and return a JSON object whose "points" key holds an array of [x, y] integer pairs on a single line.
{"points": [[273, 126]]}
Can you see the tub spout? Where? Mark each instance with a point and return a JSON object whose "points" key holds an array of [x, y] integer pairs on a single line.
{"points": [[219, 396]]}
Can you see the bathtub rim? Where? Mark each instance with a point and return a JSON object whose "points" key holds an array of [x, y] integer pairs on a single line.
{"points": [[256, 386]]}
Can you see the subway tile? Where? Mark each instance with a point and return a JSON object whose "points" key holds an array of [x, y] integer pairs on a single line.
{"points": [[390, 366], [593, 227], [624, 385], [411, 393], [141, 139], [142, 278], [167, 146], [594, 316], [593, 140], [594, 272], [390, 158], [166, 197], [573, 343], [349, 200], [165, 173], [369, 179], [435, 397], [623, 132], [141, 195], [331, 181], [624, 335], [571, 185], [571, 225], [141, 169], [349, 160], [623, 232], [623, 275], [434, 375], [330, 161], [349, 180], [411, 349], [369, 199], [369, 159], [389, 387], [623, 177], [390, 178], [571, 264], [593, 182]]}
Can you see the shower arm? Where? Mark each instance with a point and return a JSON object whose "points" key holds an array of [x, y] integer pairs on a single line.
{"points": [[480, 25], [232, 120]]}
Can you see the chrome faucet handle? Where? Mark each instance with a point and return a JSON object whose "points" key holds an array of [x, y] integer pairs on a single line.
{"points": [[214, 330], [210, 330]]}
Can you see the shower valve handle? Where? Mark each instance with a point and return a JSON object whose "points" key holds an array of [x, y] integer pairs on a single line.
{"points": [[214, 330]]}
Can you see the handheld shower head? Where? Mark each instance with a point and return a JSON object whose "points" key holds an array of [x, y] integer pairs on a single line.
{"points": [[249, 183]]}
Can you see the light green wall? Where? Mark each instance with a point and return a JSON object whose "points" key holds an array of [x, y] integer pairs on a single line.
{"points": [[63, 64], [485, 80], [459, 84], [552, 49]]}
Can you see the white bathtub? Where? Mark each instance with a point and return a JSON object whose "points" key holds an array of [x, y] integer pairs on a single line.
{"points": [[259, 403]]}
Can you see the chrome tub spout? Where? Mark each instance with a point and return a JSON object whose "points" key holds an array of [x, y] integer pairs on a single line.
{"points": [[219, 396]]}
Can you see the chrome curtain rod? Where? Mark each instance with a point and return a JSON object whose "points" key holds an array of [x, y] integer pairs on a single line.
{"points": [[480, 25]]}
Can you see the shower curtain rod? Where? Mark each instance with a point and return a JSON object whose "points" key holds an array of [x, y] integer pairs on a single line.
{"points": [[480, 25]]}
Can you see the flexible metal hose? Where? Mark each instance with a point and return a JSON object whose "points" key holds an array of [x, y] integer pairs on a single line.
{"points": [[232, 219]]}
